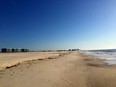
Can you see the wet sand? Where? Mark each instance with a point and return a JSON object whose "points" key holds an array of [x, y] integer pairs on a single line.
{"points": [[72, 70]]}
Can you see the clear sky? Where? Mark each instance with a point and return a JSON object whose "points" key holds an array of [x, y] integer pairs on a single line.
{"points": [[58, 24]]}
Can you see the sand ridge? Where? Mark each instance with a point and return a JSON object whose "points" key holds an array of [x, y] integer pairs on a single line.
{"points": [[8, 60]]}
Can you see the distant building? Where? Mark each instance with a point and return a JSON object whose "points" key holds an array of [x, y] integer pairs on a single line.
{"points": [[16, 50], [24, 50], [6, 50], [13, 50], [73, 49]]}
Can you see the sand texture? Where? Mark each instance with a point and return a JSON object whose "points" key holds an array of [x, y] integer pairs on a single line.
{"points": [[8, 60], [72, 70]]}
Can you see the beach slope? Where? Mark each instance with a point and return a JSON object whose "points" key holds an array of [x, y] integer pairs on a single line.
{"points": [[72, 70]]}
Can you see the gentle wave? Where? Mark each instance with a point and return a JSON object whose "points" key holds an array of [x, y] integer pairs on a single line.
{"points": [[108, 55]]}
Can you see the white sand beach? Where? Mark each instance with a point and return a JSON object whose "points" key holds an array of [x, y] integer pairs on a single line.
{"points": [[71, 70]]}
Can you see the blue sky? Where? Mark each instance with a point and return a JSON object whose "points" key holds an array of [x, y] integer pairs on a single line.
{"points": [[58, 24]]}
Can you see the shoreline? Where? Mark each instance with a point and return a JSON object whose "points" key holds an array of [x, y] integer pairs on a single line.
{"points": [[97, 58]]}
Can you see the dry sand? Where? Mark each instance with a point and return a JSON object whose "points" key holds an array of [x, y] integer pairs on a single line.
{"points": [[8, 60], [72, 70]]}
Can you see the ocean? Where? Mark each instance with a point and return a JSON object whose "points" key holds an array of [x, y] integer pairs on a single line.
{"points": [[109, 55]]}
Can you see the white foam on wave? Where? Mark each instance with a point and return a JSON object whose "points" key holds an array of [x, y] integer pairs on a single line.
{"points": [[110, 57]]}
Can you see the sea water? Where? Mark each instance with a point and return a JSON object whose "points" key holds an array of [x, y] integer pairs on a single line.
{"points": [[109, 55]]}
